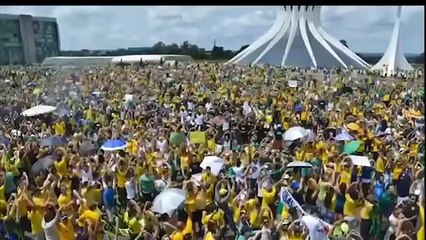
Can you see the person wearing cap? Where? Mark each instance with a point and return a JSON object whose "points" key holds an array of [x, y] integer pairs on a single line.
{"points": [[66, 228]]}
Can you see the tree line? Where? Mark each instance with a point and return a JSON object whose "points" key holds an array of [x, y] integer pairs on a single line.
{"points": [[198, 53], [186, 48]]}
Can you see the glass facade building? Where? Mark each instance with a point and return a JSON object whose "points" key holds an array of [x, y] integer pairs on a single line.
{"points": [[27, 40]]}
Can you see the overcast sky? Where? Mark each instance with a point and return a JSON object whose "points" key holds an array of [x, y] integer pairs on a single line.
{"points": [[366, 29]]}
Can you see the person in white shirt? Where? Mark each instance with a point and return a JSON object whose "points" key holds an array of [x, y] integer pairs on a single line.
{"points": [[253, 173], [130, 186], [162, 144], [50, 219], [84, 172], [315, 226]]}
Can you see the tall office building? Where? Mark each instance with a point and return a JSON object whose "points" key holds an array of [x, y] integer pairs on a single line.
{"points": [[27, 40]]}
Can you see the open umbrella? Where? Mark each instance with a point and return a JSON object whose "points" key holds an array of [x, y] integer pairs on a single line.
{"points": [[62, 111], [53, 141], [311, 136], [43, 163], [38, 110], [114, 145], [87, 148], [299, 164], [177, 138], [344, 137], [353, 126], [168, 201], [215, 164], [294, 133], [351, 147]]}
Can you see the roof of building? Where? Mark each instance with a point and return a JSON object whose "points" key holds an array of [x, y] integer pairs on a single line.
{"points": [[150, 58], [77, 61], [104, 60], [34, 18]]}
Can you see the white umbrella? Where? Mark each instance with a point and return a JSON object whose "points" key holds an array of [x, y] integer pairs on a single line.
{"points": [[168, 201], [344, 136], [38, 110], [215, 164], [294, 133], [196, 178], [311, 136], [300, 164]]}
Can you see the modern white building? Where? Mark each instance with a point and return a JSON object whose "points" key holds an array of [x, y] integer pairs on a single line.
{"points": [[150, 58], [394, 61], [107, 60], [298, 39], [76, 61]]}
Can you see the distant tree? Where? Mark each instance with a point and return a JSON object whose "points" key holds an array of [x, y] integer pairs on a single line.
{"points": [[173, 49], [185, 46], [158, 47], [243, 47], [343, 41], [421, 58], [85, 52]]}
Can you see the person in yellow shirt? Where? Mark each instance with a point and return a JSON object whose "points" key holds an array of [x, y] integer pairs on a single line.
{"points": [[59, 128], [193, 204], [212, 232], [397, 169], [3, 202], [252, 209], [121, 182], [92, 215], [365, 213], [212, 213], [65, 201], [66, 228], [421, 231], [36, 216], [61, 166], [208, 181], [23, 202], [345, 173], [351, 196], [182, 229], [185, 159], [268, 193]]}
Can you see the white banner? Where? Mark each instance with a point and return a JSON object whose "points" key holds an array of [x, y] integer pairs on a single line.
{"points": [[288, 200]]}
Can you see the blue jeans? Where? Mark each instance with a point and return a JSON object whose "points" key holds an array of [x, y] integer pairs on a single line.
{"points": [[230, 219]]}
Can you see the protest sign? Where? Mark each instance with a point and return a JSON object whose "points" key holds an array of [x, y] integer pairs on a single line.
{"points": [[288, 200], [197, 137]]}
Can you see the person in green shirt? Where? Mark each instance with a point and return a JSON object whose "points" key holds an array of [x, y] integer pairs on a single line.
{"points": [[388, 201], [147, 186], [277, 172]]}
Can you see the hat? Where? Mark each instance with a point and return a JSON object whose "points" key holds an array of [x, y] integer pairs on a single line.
{"points": [[286, 176]]}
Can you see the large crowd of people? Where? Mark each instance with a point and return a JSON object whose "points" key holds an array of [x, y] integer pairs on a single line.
{"points": [[210, 151]]}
